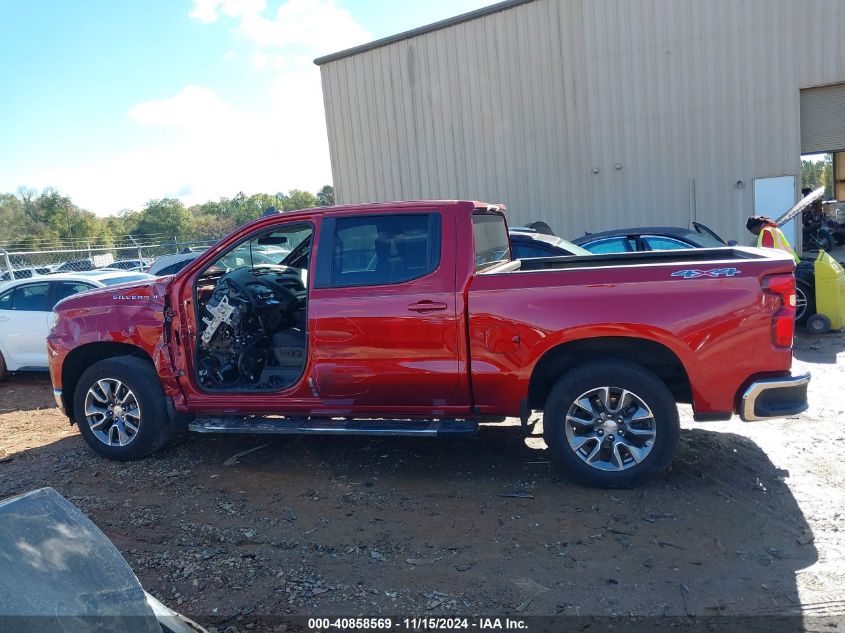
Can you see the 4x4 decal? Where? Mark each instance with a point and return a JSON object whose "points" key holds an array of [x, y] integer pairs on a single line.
{"points": [[714, 272]]}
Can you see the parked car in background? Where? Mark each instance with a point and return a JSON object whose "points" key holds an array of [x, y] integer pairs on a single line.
{"points": [[26, 306], [76, 265], [26, 273], [661, 238], [527, 243], [172, 264], [135, 265], [651, 238]]}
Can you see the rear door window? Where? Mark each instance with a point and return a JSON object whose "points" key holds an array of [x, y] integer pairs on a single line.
{"points": [[384, 249], [609, 245]]}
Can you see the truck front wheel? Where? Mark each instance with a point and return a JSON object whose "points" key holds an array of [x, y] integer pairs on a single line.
{"points": [[119, 408], [611, 424]]}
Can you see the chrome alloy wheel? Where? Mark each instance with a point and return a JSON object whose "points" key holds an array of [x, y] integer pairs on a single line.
{"points": [[610, 428], [112, 412]]}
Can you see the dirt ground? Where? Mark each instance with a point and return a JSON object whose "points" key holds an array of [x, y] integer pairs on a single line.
{"points": [[748, 521]]}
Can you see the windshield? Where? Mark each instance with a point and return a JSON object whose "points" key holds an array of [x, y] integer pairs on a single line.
{"points": [[490, 235], [569, 246]]}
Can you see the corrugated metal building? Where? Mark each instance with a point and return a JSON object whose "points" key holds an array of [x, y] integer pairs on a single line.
{"points": [[592, 114]]}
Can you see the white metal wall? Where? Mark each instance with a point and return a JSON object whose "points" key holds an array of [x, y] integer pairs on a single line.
{"points": [[524, 105]]}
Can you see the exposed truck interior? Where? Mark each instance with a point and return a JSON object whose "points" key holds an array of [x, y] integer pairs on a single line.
{"points": [[252, 306]]}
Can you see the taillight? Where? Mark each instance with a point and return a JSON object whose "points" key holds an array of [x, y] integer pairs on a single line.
{"points": [[783, 321]]}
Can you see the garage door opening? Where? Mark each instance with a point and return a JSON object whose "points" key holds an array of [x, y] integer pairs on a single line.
{"points": [[823, 160]]}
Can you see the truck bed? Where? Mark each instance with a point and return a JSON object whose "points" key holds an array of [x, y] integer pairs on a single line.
{"points": [[682, 257], [701, 304]]}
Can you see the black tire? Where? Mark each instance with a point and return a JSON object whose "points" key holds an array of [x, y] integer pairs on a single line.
{"points": [[140, 377], [4, 373], [617, 374], [809, 296], [818, 324]]}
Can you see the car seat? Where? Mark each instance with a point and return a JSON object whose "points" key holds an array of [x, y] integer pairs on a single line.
{"points": [[389, 265]]}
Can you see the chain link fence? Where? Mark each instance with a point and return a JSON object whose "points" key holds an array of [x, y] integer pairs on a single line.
{"points": [[132, 254]]}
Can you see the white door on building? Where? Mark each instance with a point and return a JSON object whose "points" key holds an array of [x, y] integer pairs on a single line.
{"points": [[774, 197]]}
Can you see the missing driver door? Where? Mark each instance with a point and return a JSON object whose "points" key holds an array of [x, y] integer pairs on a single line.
{"points": [[251, 313]]}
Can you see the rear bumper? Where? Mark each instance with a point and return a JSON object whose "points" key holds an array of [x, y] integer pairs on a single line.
{"points": [[774, 398]]}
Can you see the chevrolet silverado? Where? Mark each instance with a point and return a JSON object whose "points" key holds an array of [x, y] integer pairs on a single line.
{"points": [[413, 318]]}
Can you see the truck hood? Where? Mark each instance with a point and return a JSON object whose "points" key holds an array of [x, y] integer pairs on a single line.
{"points": [[149, 293]]}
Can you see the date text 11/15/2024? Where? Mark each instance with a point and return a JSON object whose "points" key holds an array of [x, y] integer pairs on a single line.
{"points": [[417, 624]]}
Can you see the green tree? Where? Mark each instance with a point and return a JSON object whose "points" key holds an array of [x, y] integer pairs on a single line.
{"points": [[19, 229], [166, 218], [33, 220], [815, 174], [325, 197], [212, 227], [298, 199]]}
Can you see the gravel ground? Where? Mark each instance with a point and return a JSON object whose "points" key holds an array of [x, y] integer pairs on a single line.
{"points": [[747, 521]]}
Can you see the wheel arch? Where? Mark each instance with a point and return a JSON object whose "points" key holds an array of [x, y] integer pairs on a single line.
{"points": [[81, 358], [652, 355]]}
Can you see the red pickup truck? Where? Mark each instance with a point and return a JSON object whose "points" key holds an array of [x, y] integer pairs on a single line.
{"points": [[412, 318]]}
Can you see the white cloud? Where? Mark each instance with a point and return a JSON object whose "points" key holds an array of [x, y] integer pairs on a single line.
{"points": [[193, 109], [319, 25], [260, 60], [214, 150]]}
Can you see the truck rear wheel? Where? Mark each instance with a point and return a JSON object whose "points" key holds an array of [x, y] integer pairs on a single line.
{"points": [[611, 424], [119, 408]]}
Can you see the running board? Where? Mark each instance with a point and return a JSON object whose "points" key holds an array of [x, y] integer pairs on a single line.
{"points": [[329, 426]]}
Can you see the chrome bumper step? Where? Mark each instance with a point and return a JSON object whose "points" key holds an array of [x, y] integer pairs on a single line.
{"points": [[330, 426], [774, 398]]}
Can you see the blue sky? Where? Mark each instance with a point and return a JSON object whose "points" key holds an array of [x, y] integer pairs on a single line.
{"points": [[115, 103]]}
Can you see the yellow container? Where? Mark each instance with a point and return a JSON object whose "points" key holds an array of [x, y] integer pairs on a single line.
{"points": [[830, 290]]}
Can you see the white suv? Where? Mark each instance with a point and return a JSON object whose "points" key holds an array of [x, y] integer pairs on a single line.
{"points": [[26, 306]]}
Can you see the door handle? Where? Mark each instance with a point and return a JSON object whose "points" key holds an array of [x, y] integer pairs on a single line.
{"points": [[428, 306]]}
